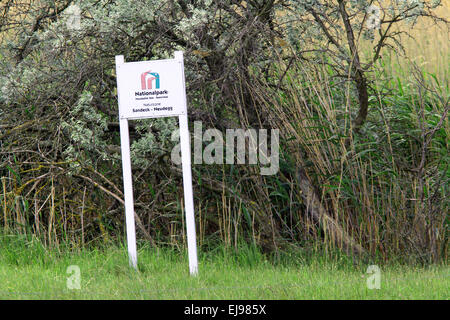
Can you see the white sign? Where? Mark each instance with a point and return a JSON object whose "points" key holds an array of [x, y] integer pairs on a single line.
{"points": [[151, 89]]}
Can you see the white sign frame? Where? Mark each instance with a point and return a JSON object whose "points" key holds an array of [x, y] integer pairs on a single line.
{"points": [[124, 98]]}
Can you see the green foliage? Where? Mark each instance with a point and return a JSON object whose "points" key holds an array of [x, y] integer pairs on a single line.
{"points": [[246, 65]]}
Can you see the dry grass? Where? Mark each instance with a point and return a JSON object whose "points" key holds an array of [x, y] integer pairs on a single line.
{"points": [[428, 46], [369, 185]]}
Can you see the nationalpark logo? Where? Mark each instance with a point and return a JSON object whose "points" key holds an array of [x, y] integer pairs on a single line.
{"points": [[149, 78], [150, 81]]}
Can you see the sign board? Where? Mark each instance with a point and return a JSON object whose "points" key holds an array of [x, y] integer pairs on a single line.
{"points": [[152, 89]]}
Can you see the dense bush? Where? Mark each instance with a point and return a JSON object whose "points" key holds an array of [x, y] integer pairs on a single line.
{"points": [[362, 168]]}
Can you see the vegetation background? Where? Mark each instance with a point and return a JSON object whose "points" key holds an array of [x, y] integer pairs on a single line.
{"points": [[364, 162]]}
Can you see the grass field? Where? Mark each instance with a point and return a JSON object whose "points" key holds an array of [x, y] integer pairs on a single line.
{"points": [[28, 271]]}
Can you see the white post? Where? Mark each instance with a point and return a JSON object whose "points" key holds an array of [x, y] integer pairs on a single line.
{"points": [[187, 179], [127, 183]]}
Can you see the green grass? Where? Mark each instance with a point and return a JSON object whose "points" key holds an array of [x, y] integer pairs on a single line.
{"points": [[29, 271]]}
